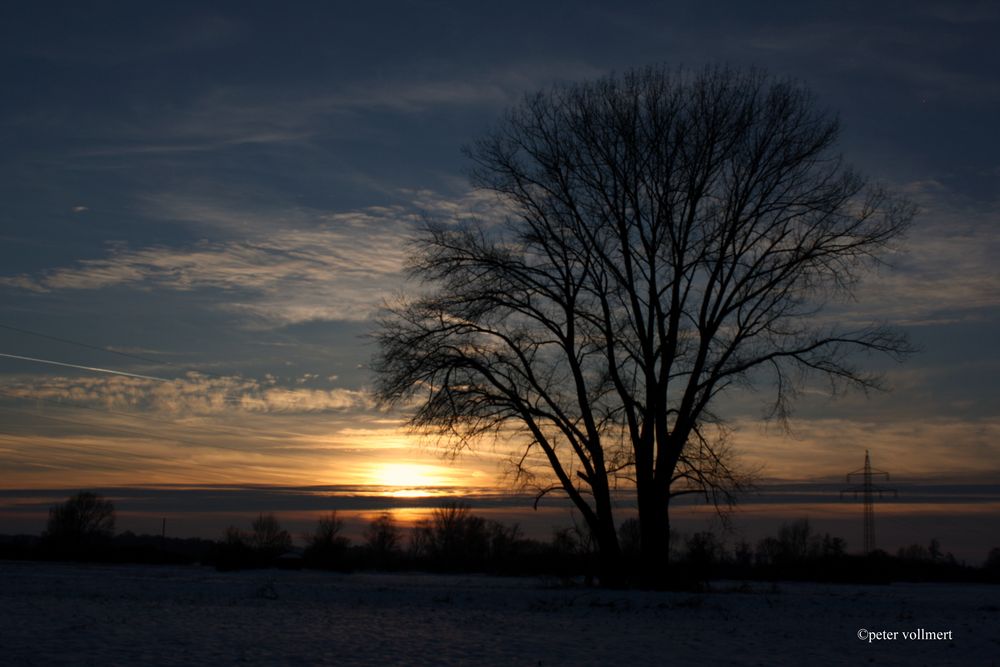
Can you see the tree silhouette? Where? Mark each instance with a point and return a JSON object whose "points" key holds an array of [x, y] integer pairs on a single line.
{"points": [[669, 236], [326, 546], [85, 518], [453, 538], [267, 537], [382, 539]]}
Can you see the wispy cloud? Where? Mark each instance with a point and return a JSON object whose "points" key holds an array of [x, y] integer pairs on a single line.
{"points": [[240, 115], [921, 58], [294, 277], [191, 395], [274, 266], [911, 448], [144, 439], [946, 270], [249, 114], [163, 37], [974, 11]]}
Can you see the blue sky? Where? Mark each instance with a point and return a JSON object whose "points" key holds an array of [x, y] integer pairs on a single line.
{"points": [[227, 188]]}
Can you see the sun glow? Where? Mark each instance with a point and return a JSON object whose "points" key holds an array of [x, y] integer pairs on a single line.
{"points": [[409, 479]]}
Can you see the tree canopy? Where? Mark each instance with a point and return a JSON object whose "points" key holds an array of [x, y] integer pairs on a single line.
{"points": [[84, 518], [669, 236]]}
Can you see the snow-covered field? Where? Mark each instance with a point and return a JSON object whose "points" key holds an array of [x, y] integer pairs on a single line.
{"points": [[78, 614]]}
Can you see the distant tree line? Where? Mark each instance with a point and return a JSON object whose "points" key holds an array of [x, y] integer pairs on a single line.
{"points": [[454, 539], [797, 552]]}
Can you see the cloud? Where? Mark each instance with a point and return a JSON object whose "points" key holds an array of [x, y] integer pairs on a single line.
{"points": [[191, 395], [337, 271], [230, 117], [981, 11], [910, 448], [920, 56], [88, 42], [285, 265], [274, 266], [87, 460], [945, 270], [241, 115]]}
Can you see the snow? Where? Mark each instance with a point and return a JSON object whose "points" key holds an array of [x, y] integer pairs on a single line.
{"points": [[126, 615]]}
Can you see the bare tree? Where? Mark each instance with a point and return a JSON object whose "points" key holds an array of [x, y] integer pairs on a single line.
{"points": [[670, 236], [453, 538], [83, 518], [326, 546], [267, 537], [382, 539]]}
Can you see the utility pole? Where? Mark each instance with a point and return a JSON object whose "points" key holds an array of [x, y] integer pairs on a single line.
{"points": [[868, 490]]}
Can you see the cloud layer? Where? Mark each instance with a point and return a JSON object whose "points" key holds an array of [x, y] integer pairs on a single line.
{"points": [[273, 267], [194, 394]]}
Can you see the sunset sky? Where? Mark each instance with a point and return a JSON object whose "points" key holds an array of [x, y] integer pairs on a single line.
{"points": [[202, 205]]}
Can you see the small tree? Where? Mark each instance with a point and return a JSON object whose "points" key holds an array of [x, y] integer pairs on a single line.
{"points": [[797, 544], [992, 564], [629, 538], [704, 549], [382, 539], [84, 519], [233, 551], [267, 537], [234, 537], [454, 538], [505, 543], [796, 539], [265, 541], [326, 546]]}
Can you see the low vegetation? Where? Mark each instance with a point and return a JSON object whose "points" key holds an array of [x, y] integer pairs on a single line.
{"points": [[454, 539]]}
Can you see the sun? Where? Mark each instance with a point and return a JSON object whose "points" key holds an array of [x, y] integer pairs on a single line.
{"points": [[408, 475]]}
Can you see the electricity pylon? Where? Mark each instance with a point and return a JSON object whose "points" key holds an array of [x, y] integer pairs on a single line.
{"points": [[868, 490]]}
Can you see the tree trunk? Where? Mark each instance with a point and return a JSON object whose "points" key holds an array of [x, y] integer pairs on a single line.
{"points": [[654, 548], [610, 568]]}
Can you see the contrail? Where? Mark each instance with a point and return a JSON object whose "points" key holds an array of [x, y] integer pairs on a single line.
{"points": [[85, 368]]}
